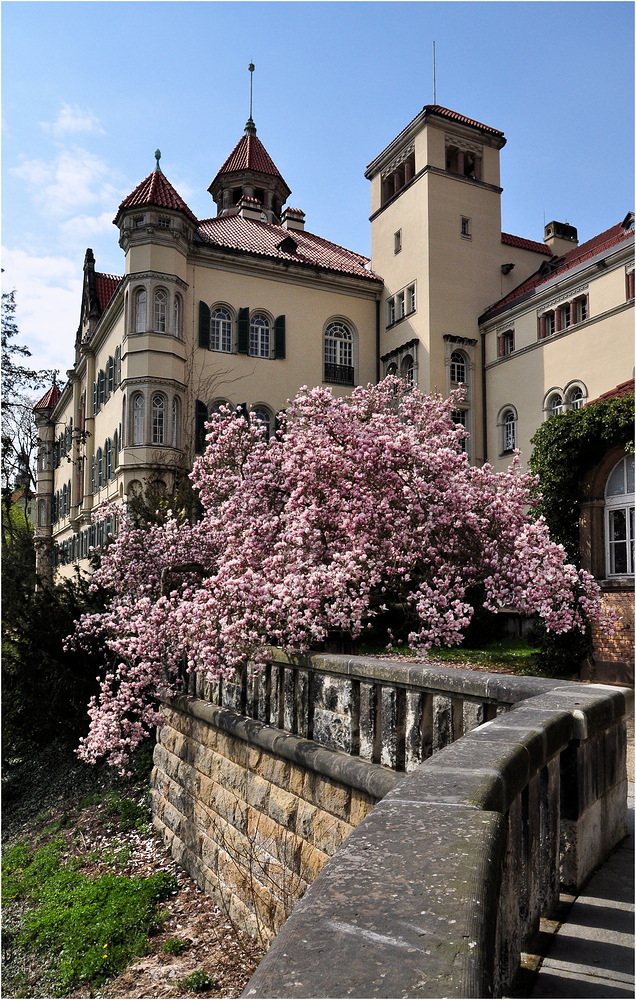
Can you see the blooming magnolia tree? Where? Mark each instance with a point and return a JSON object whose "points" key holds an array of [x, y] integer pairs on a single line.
{"points": [[364, 507]]}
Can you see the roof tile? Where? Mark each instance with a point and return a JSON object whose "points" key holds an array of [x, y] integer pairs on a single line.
{"points": [[155, 190], [49, 399], [105, 285], [561, 265], [233, 233]]}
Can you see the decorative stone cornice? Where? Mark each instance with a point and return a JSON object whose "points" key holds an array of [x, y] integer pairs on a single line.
{"points": [[451, 338], [565, 296], [398, 160], [464, 144], [402, 349]]}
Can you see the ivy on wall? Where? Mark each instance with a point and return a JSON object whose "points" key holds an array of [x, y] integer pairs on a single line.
{"points": [[566, 446]]}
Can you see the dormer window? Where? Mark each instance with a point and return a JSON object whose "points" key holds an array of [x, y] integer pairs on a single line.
{"points": [[288, 245]]}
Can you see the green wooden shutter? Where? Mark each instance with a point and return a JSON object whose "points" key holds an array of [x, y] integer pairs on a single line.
{"points": [[243, 346], [279, 337], [200, 420], [204, 325]]}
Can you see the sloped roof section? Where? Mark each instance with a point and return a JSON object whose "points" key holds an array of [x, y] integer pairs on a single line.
{"points": [[522, 244], [624, 389], [249, 154], [155, 190], [260, 239], [602, 243], [105, 285], [49, 399]]}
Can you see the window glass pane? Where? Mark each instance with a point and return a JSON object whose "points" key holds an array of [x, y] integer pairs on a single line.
{"points": [[221, 331], [157, 419], [629, 469], [259, 336], [616, 482]]}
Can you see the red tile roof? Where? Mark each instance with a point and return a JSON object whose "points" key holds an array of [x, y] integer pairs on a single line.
{"points": [[105, 285], [523, 244], [624, 389], [561, 265], [155, 190], [249, 154], [248, 236], [49, 399]]}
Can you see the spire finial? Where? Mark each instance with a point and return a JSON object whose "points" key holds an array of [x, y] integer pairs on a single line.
{"points": [[157, 158], [250, 127]]}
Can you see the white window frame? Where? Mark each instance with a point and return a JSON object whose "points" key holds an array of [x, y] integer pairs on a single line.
{"points": [[260, 335], [620, 503], [221, 330]]}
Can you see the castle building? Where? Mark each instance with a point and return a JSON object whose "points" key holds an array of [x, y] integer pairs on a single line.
{"points": [[246, 306]]}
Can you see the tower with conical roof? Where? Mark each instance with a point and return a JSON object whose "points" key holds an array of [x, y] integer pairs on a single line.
{"points": [[249, 183]]}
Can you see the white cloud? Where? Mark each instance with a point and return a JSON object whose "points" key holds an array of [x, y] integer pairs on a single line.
{"points": [[71, 120], [82, 227], [74, 179], [48, 300]]}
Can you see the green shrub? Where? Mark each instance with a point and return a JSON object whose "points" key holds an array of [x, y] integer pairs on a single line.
{"points": [[199, 980], [175, 945], [131, 815]]}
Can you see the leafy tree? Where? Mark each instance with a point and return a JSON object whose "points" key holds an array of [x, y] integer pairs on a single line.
{"points": [[565, 447], [364, 510]]}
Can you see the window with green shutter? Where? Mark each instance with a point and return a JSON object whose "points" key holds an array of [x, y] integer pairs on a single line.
{"points": [[279, 337], [204, 325], [243, 331]]}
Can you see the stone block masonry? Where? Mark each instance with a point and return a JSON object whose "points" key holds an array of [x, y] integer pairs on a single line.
{"points": [[252, 813]]}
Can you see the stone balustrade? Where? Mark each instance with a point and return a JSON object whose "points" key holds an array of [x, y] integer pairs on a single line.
{"points": [[472, 800]]}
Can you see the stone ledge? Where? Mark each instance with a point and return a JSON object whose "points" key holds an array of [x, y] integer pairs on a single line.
{"points": [[408, 906], [374, 779]]}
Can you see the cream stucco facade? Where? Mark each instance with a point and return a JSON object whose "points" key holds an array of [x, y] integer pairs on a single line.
{"points": [[245, 307]]}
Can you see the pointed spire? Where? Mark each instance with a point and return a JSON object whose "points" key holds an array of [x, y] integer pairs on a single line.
{"points": [[250, 127]]}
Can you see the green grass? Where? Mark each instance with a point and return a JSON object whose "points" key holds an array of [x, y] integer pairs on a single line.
{"points": [[87, 928], [515, 654]]}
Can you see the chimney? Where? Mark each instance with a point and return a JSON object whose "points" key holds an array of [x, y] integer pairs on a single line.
{"points": [[560, 238], [250, 208], [293, 218]]}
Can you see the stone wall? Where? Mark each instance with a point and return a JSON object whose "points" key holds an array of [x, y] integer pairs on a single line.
{"points": [[252, 814]]}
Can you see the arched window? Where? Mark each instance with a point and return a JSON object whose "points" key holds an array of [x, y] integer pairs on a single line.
{"points": [[176, 315], [262, 418], [118, 367], [575, 396], [115, 450], [138, 407], [108, 457], [221, 331], [64, 501], [160, 310], [458, 367], [140, 310], [619, 518], [100, 468], [158, 419], [176, 423], [259, 336], [407, 369], [392, 369], [556, 404], [508, 429], [339, 354]]}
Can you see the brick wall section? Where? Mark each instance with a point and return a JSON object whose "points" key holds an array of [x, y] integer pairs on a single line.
{"points": [[252, 828], [615, 653]]}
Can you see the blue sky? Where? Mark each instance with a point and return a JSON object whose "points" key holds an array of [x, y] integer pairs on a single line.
{"points": [[91, 89]]}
